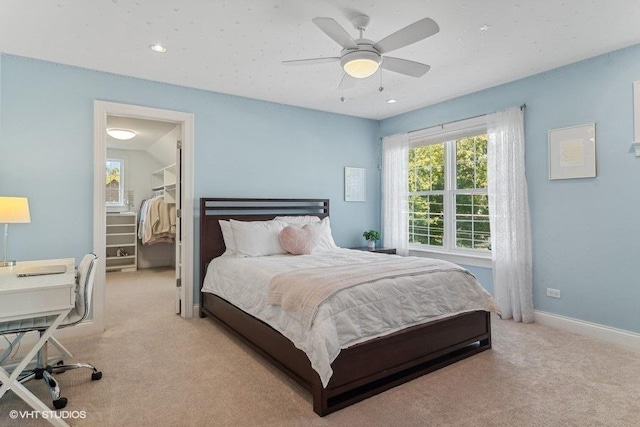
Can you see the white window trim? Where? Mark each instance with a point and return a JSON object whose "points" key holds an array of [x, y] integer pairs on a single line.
{"points": [[450, 131], [448, 134], [457, 257], [116, 207]]}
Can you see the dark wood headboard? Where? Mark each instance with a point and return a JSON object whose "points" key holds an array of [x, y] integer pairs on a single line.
{"points": [[214, 209]]}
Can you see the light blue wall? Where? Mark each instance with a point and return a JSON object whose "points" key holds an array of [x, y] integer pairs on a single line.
{"points": [[243, 148], [586, 233], [0, 101]]}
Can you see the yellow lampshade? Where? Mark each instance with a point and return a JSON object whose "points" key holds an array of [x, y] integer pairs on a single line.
{"points": [[14, 210]]}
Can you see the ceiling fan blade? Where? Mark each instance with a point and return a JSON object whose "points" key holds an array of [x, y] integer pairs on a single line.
{"points": [[334, 30], [408, 35], [312, 61], [404, 66]]}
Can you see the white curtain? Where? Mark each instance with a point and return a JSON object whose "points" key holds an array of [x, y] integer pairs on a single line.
{"points": [[509, 215], [395, 221]]}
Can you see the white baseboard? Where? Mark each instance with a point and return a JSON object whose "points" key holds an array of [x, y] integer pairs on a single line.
{"points": [[196, 310], [591, 330]]}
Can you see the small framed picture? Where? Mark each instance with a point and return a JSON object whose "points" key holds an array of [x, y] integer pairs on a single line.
{"points": [[636, 111], [355, 184], [572, 152]]}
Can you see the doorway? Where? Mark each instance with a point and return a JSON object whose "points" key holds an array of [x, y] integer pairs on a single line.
{"points": [[143, 191], [173, 179]]}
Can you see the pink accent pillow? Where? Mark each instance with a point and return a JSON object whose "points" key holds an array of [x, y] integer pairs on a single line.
{"points": [[298, 241]]}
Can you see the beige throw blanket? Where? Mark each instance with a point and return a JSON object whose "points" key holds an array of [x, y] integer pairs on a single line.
{"points": [[301, 292]]}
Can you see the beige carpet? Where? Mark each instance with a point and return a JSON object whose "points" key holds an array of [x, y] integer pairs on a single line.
{"points": [[162, 370]]}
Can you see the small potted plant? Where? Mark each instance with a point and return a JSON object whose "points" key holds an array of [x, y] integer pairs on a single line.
{"points": [[372, 236]]}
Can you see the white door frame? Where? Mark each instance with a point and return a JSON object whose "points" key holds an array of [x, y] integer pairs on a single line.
{"points": [[102, 109]]}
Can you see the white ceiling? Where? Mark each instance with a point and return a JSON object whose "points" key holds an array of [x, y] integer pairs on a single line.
{"points": [[148, 132], [236, 46]]}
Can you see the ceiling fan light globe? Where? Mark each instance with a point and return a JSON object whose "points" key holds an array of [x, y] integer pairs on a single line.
{"points": [[361, 68], [361, 64]]}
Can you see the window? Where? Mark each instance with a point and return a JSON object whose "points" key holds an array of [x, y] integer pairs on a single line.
{"points": [[114, 183], [448, 202]]}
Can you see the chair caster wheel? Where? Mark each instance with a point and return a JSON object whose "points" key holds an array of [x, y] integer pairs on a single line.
{"points": [[60, 363], [60, 403], [95, 376]]}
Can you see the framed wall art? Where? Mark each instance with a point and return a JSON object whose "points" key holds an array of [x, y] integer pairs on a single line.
{"points": [[572, 152], [355, 184], [636, 119], [636, 111]]}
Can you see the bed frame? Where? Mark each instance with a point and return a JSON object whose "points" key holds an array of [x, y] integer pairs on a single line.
{"points": [[360, 371]]}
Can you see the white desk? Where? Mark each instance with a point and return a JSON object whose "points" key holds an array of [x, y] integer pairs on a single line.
{"points": [[29, 297]]}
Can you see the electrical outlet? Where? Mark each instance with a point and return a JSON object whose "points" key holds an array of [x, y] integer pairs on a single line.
{"points": [[553, 293]]}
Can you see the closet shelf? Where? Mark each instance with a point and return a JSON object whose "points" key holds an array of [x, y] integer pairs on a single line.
{"points": [[122, 233], [165, 180], [121, 257]]}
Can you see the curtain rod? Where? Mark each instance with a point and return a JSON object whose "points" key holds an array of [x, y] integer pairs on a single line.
{"points": [[442, 125]]}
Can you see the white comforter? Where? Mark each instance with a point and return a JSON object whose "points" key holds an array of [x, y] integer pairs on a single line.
{"points": [[352, 315]]}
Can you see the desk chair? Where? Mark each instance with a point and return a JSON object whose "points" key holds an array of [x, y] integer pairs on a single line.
{"points": [[85, 278]]}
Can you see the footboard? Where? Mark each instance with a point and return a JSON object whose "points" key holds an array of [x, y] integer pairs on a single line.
{"points": [[365, 369], [377, 365]]}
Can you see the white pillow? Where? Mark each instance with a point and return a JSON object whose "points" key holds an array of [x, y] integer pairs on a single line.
{"points": [[227, 236], [323, 231], [298, 220], [257, 238]]}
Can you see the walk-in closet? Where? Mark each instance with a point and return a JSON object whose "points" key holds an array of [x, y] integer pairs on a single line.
{"points": [[142, 197]]}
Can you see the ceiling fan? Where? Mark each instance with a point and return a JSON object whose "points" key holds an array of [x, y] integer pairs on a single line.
{"points": [[361, 58]]}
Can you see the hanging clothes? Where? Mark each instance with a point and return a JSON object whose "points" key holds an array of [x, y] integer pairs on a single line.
{"points": [[157, 221]]}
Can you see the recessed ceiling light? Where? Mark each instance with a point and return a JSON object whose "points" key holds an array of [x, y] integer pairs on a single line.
{"points": [[391, 101], [121, 134], [158, 48]]}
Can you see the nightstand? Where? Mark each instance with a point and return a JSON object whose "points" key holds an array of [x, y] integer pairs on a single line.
{"points": [[390, 251]]}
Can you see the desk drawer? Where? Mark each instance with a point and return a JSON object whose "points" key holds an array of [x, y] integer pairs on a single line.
{"points": [[43, 301]]}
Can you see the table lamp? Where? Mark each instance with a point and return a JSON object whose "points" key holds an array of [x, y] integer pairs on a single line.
{"points": [[13, 210]]}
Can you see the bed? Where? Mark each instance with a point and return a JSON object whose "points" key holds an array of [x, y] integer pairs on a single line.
{"points": [[360, 370]]}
